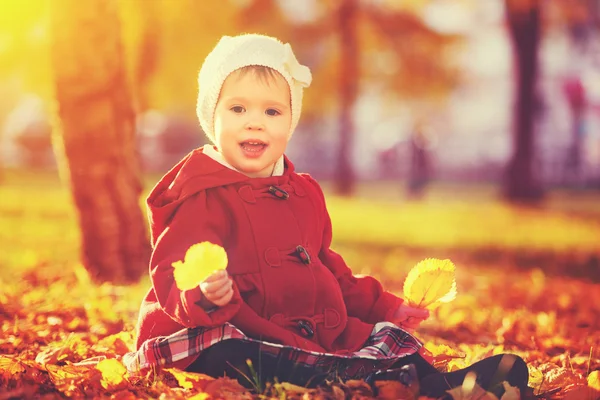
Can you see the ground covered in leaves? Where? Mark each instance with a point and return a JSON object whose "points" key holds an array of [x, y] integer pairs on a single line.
{"points": [[527, 284]]}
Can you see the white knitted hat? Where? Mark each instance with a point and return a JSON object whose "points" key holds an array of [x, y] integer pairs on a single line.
{"points": [[233, 53]]}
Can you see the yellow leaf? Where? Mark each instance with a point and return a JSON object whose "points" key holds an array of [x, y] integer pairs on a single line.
{"points": [[443, 350], [201, 260], [536, 379], [593, 380], [430, 283], [186, 379], [113, 372], [290, 388], [200, 396], [10, 365]]}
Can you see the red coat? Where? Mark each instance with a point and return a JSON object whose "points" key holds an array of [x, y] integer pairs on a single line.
{"points": [[290, 287]]}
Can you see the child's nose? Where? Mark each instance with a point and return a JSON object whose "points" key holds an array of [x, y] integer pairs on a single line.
{"points": [[254, 126], [255, 123]]}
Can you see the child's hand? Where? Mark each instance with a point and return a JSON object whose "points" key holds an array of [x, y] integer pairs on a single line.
{"points": [[409, 318], [217, 289]]}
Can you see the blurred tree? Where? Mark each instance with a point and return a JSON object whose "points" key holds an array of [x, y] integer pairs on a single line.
{"points": [[580, 19], [524, 25], [415, 63], [353, 43], [348, 91], [147, 48], [97, 146]]}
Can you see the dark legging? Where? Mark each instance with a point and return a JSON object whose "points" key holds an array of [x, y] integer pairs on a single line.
{"points": [[229, 358]]}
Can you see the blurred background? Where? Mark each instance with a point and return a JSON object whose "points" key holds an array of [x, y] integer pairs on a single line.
{"points": [[457, 113], [410, 91], [460, 129]]}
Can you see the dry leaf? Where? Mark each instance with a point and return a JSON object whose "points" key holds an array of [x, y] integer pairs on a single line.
{"points": [[113, 372], [359, 386], [581, 392], [201, 260], [337, 393], [444, 350], [393, 390], [536, 380], [227, 388], [593, 380], [199, 396], [430, 283], [10, 365], [189, 380], [295, 389]]}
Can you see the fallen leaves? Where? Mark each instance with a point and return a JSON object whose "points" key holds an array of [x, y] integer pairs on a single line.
{"points": [[56, 326], [392, 390], [113, 373], [593, 380], [190, 380]]}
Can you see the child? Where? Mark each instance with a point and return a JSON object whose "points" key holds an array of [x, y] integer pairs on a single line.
{"points": [[287, 301]]}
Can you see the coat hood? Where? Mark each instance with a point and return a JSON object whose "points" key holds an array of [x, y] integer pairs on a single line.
{"points": [[196, 172]]}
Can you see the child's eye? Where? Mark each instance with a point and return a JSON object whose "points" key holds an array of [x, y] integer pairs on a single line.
{"points": [[237, 109], [272, 112]]}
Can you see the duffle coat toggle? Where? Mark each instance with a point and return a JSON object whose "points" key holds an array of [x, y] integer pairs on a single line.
{"points": [[303, 254], [275, 257], [279, 192]]}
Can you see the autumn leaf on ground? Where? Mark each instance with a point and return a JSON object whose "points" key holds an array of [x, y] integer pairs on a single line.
{"points": [[593, 380], [394, 390], [227, 388], [430, 283], [10, 365], [71, 380], [113, 372], [199, 396], [201, 260], [359, 387], [290, 391], [190, 380], [443, 353], [581, 392]]}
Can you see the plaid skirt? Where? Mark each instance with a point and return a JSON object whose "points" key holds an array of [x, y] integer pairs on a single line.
{"points": [[386, 345]]}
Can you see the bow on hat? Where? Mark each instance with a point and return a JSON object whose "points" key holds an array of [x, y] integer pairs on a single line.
{"points": [[299, 72]]}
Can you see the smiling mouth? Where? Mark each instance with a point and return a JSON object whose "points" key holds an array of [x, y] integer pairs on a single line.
{"points": [[253, 145]]}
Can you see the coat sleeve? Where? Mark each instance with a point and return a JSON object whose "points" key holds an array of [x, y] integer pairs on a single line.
{"points": [[364, 296], [194, 221]]}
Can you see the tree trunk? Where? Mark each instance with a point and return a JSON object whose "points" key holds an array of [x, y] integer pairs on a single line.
{"points": [[524, 26], [349, 77], [147, 58], [97, 150]]}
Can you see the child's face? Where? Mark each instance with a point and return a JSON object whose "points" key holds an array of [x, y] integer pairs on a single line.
{"points": [[252, 122]]}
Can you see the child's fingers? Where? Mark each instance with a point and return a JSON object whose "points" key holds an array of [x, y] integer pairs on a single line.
{"points": [[419, 313], [214, 286], [225, 299], [220, 291], [217, 275]]}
